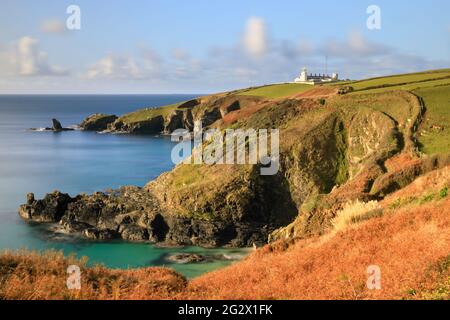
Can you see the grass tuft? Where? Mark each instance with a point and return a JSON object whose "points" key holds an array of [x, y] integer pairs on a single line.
{"points": [[355, 212]]}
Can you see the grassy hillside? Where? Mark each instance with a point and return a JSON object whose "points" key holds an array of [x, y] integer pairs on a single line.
{"points": [[277, 90], [406, 82], [434, 135], [148, 113], [410, 86], [408, 240], [398, 80], [434, 88]]}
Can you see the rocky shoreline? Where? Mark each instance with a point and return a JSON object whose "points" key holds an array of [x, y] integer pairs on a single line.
{"points": [[133, 214], [136, 214], [183, 116]]}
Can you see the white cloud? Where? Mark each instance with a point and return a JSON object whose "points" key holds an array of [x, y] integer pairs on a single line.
{"points": [[252, 60], [54, 26], [150, 60], [361, 46], [103, 67], [30, 61], [145, 66], [255, 37], [114, 67], [28, 56], [354, 45]]}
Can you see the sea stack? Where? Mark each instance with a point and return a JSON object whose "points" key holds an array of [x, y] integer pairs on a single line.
{"points": [[56, 125]]}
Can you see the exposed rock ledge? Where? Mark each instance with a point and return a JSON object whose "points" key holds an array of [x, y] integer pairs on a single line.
{"points": [[165, 120], [97, 122], [133, 214]]}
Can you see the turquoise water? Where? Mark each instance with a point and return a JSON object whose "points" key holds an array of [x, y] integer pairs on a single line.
{"points": [[76, 162]]}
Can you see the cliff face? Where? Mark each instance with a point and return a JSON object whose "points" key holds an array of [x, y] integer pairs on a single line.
{"points": [[97, 122], [333, 149], [208, 110]]}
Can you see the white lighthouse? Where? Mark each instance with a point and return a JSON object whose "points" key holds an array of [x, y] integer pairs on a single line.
{"points": [[303, 75], [315, 79], [303, 78]]}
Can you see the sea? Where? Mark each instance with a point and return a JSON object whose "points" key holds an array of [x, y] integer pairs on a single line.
{"points": [[84, 162]]}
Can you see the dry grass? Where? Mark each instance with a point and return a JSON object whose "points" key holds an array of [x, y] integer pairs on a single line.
{"points": [[234, 116], [354, 212], [407, 246], [32, 276], [411, 245], [429, 185], [318, 92]]}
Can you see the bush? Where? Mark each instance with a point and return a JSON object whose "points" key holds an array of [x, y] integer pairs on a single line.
{"points": [[345, 90], [443, 193]]}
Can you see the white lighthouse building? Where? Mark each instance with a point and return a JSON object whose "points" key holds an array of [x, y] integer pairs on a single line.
{"points": [[316, 78]]}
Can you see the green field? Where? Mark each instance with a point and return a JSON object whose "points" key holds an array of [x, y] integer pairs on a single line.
{"points": [[399, 80], [412, 86], [435, 131], [434, 88], [277, 90]]}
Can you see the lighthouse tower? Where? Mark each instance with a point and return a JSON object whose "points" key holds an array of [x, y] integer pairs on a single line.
{"points": [[303, 76]]}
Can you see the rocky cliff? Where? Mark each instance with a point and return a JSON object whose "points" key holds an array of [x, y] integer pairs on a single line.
{"points": [[97, 122], [208, 110], [333, 149]]}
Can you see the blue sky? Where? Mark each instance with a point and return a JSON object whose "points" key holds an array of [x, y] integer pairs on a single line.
{"points": [[207, 46]]}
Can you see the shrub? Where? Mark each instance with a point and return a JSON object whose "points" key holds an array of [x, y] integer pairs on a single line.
{"points": [[427, 198], [401, 202], [443, 193], [345, 90]]}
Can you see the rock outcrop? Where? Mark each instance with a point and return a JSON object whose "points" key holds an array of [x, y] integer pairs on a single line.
{"points": [[134, 214], [208, 110], [153, 125], [97, 122], [189, 104], [186, 258], [179, 119], [49, 209], [56, 127]]}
